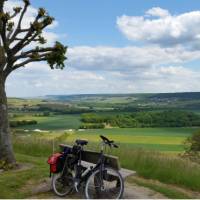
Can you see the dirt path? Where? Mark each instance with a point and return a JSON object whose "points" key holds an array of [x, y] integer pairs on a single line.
{"points": [[132, 191]]}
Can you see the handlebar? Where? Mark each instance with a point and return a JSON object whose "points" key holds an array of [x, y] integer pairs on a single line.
{"points": [[110, 143]]}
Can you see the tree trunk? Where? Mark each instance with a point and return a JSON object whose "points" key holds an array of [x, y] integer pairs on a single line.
{"points": [[6, 149]]}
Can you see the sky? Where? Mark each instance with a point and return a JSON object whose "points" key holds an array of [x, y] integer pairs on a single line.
{"points": [[115, 46]]}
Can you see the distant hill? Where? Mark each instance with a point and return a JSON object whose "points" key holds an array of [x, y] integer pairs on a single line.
{"points": [[183, 96], [149, 96]]}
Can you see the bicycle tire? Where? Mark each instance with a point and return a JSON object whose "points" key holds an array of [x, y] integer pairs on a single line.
{"points": [[104, 194], [68, 188]]}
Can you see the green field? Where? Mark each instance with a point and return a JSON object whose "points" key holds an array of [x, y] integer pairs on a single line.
{"points": [[152, 152], [162, 139], [56, 122], [167, 168]]}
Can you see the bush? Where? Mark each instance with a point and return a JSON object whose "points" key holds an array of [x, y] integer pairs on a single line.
{"points": [[92, 126], [192, 147], [18, 123]]}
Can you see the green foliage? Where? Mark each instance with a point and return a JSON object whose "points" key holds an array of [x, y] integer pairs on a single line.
{"points": [[192, 146], [19, 123], [10, 26], [41, 12], [194, 142], [92, 126], [57, 57], [146, 119], [93, 118]]}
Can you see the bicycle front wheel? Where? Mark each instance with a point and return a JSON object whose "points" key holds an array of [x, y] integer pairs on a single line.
{"points": [[105, 184]]}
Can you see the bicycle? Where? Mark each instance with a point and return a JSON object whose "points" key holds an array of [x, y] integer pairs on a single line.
{"points": [[99, 181]]}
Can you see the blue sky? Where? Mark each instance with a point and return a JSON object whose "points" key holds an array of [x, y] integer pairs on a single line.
{"points": [[93, 22], [117, 46]]}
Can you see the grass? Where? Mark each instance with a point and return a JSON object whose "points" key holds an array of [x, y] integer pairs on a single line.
{"points": [[148, 164], [161, 188], [165, 168], [55, 122], [160, 139], [13, 184]]}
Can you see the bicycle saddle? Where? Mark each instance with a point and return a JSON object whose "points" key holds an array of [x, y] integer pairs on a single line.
{"points": [[81, 142]]}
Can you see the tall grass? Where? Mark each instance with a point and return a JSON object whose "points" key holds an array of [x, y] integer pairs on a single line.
{"points": [[163, 167], [148, 164], [35, 146]]}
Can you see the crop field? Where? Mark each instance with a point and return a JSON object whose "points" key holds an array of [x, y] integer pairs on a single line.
{"points": [[161, 139], [56, 122], [169, 140]]}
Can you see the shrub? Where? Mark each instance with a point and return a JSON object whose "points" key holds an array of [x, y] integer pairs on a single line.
{"points": [[92, 126], [18, 123], [192, 147]]}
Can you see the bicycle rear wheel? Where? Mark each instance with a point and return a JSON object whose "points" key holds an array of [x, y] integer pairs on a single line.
{"points": [[107, 184], [62, 184]]}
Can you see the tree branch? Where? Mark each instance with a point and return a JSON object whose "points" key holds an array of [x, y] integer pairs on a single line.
{"points": [[12, 50], [32, 33], [27, 62], [37, 50], [17, 31]]}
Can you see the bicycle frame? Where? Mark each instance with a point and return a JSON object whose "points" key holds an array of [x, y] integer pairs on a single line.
{"points": [[75, 176], [82, 177]]}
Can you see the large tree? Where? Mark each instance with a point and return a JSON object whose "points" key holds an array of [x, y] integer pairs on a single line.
{"points": [[20, 46]]}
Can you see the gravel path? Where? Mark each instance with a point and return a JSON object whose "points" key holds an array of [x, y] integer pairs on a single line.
{"points": [[132, 191]]}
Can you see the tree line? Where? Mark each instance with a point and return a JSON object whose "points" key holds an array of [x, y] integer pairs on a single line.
{"points": [[143, 119]]}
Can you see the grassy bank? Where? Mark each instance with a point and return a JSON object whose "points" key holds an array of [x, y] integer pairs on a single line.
{"points": [[162, 167], [168, 190], [20, 183], [148, 164]]}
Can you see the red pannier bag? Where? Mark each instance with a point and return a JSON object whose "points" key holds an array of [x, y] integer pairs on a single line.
{"points": [[53, 162]]}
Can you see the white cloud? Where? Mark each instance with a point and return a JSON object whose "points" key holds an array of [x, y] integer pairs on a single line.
{"points": [[40, 80], [166, 29], [110, 70], [105, 69], [126, 59], [157, 12]]}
